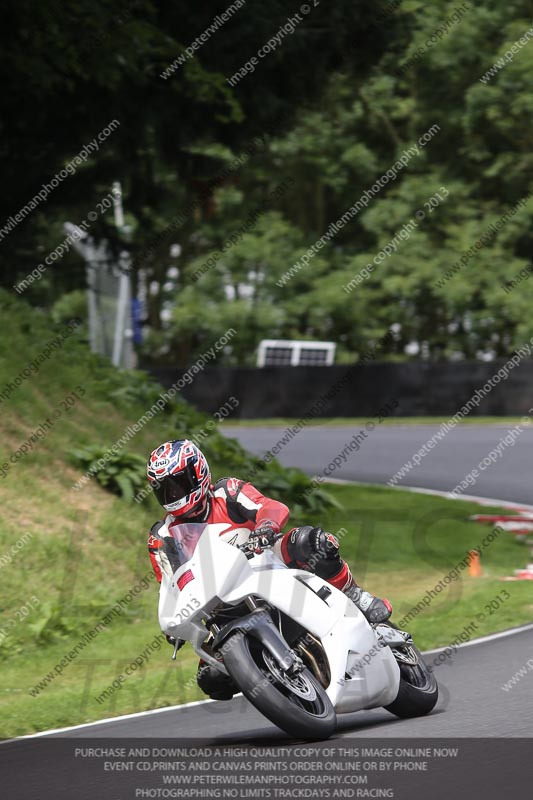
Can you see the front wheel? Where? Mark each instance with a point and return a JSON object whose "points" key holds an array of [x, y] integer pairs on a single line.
{"points": [[297, 704], [418, 692]]}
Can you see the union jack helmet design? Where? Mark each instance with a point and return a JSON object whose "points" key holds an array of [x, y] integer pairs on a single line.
{"points": [[179, 475]]}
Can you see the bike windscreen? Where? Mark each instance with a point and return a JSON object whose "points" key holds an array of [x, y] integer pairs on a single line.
{"points": [[181, 541]]}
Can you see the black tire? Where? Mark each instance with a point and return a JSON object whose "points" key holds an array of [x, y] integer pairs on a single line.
{"points": [[244, 658], [418, 692]]}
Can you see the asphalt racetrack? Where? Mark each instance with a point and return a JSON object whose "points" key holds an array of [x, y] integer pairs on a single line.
{"points": [[386, 449], [472, 703], [484, 726]]}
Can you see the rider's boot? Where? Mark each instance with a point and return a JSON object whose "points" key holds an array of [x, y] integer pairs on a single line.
{"points": [[318, 551], [374, 608], [214, 683]]}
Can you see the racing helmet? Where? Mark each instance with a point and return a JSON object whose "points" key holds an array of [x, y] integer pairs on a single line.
{"points": [[180, 478]]}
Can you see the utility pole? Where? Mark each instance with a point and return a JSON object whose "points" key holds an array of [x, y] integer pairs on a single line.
{"points": [[123, 334], [97, 258]]}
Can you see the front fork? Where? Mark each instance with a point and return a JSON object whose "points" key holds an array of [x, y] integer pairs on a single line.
{"points": [[259, 625]]}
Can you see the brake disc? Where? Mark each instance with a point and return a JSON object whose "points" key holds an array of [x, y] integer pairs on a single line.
{"points": [[299, 684], [406, 655]]}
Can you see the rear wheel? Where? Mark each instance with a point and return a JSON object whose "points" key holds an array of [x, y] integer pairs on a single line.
{"points": [[295, 703], [418, 692]]}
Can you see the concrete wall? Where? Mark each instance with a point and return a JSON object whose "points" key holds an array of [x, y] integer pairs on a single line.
{"points": [[421, 389]]}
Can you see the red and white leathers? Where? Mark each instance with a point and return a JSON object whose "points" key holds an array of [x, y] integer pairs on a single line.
{"points": [[242, 506]]}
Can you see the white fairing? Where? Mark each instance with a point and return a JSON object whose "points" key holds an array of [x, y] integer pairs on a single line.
{"points": [[364, 674]]}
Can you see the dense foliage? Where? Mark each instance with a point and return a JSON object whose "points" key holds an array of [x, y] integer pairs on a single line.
{"points": [[247, 178]]}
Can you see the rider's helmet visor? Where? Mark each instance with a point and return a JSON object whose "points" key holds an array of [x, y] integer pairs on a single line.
{"points": [[175, 487]]}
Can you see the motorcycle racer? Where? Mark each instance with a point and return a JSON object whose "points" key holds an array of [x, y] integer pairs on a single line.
{"points": [[180, 477]]}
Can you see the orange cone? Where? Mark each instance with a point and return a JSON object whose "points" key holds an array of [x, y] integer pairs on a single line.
{"points": [[474, 564]]}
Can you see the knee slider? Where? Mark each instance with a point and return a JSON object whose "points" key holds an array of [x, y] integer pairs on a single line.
{"points": [[299, 544], [315, 548]]}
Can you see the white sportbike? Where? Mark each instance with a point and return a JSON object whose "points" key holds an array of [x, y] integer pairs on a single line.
{"points": [[297, 648]]}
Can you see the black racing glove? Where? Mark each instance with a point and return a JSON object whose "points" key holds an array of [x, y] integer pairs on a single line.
{"points": [[263, 536]]}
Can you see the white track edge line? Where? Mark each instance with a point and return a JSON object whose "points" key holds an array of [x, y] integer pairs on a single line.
{"points": [[483, 501], [111, 719], [470, 498], [488, 638]]}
